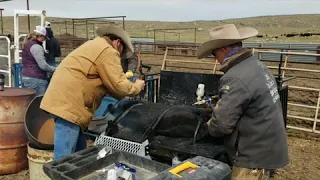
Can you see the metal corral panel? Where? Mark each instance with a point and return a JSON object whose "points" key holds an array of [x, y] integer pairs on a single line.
{"points": [[142, 40], [143, 47], [304, 46], [251, 44], [264, 56], [267, 56], [256, 55]]}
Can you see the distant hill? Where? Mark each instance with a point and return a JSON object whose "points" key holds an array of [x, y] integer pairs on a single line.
{"points": [[271, 28]]}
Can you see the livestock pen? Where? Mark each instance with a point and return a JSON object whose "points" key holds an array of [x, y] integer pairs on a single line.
{"points": [[303, 147]]}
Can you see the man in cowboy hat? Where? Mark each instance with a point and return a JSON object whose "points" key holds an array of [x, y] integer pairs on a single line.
{"points": [[248, 114], [79, 83]]}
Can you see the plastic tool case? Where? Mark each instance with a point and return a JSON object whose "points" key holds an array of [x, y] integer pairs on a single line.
{"points": [[197, 168], [84, 165]]}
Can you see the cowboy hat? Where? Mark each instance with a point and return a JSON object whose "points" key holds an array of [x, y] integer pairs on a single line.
{"points": [[223, 36], [104, 30]]}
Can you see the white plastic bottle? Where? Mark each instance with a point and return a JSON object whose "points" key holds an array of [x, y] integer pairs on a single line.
{"points": [[175, 161], [112, 174], [200, 91]]}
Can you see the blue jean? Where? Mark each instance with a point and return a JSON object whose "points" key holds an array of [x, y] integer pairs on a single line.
{"points": [[39, 85], [105, 102], [68, 138]]}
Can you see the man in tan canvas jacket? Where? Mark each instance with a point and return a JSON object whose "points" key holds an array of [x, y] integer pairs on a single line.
{"points": [[83, 78]]}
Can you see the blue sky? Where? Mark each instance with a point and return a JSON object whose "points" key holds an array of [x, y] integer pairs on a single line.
{"points": [[166, 10]]}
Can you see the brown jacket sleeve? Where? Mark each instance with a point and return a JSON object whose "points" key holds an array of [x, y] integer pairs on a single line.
{"points": [[109, 68]]}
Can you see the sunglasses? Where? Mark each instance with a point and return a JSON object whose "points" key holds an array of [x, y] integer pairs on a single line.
{"points": [[214, 52], [122, 43]]}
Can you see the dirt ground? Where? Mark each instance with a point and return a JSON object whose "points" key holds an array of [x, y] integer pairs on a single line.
{"points": [[304, 148], [19, 176], [304, 162]]}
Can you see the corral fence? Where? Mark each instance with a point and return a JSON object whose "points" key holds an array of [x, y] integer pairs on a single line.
{"points": [[307, 90], [69, 43], [7, 63], [190, 49], [5, 58], [212, 64], [305, 53]]}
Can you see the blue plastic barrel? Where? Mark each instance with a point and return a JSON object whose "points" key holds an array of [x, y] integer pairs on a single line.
{"points": [[17, 72]]}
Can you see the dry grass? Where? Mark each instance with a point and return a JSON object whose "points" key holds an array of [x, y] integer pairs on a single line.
{"points": [[272, 26], [304, 149]]}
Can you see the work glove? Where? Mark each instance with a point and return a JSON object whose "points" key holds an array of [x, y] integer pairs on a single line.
{"points": [[129, 74], [208, 123]]}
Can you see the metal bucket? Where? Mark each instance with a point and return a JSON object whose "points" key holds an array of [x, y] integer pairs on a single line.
{"points": [[36, 159], [13, 139], [39, 125]]}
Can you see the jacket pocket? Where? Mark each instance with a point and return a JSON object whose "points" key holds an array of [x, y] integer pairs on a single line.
{"points": [[231, 143], [96, 101], [99, 93]]}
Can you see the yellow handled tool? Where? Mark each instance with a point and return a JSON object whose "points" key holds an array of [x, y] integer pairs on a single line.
{"points": [[182, 167], [129, 74]]}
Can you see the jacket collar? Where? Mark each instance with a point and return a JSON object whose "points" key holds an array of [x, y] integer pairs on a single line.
{"points": [[110, 43], [36, 41], [108, 40], [236, 59]]}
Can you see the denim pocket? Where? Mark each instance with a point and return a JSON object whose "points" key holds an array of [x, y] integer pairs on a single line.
{"points": [[38, 85], [25, 82]]}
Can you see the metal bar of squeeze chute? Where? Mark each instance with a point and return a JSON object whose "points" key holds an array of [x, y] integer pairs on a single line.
{"points": [[302, 105], [316, 115], [119, 117], [8, 56]]}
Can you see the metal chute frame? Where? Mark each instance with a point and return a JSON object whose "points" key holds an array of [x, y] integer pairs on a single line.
{"points": [[7, 55]]}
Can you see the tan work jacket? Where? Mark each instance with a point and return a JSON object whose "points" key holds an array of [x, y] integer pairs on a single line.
{"points": [[83, 78]]}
